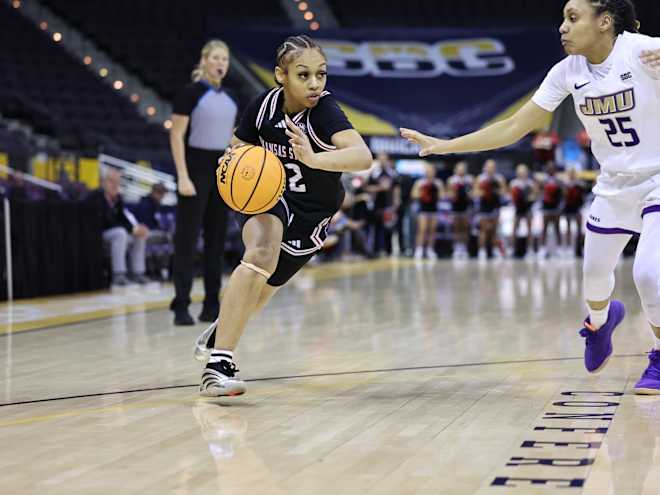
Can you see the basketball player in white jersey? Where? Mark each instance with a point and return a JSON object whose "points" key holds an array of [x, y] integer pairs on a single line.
{"points": [[613, 74]]}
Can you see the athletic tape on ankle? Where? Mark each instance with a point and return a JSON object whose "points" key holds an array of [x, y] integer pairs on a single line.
{"points": [[254, 268]]}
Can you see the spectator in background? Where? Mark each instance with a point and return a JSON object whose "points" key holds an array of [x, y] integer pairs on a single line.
{"points": [[524, 192], [573, 203], [361, 204], [427, 191], [553, 192], [405, 222], [121, 230], [459, 187], [383, 184], [489, 191], [544, 145], [584, 141], [203, 119], [149, 211], [342, 224]]}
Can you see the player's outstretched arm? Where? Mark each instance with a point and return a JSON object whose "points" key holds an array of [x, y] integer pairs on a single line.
{"points": [[351, 155], [498, 135]]}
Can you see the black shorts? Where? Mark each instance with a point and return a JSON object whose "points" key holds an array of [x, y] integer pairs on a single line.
{"points": [[303, 237], [462, 207], [426, 208], [551, 209], [523, 210]]}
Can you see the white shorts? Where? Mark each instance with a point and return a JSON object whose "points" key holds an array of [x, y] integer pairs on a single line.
{"points": [[621, 202]]}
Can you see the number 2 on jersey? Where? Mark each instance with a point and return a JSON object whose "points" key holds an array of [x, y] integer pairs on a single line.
{"points": [[616, 126], [295, 181]]}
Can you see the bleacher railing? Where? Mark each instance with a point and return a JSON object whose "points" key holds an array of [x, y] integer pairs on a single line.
{"points": [[137, 180]]}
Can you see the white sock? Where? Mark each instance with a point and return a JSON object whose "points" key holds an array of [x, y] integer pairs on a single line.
{"points": [[656, 346], [218, 355], [598, 317]]}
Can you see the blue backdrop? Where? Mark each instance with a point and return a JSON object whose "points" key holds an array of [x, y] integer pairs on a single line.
{"points": [[443, 82]]}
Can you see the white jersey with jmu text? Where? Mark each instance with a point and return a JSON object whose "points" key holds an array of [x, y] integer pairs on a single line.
{"points": [[620, 110]]}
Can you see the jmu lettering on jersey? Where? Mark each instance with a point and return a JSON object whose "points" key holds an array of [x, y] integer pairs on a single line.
{"points": [[609, 104]]}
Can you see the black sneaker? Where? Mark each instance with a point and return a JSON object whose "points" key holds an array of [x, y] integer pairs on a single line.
{"points": [[209, 313], [141, 278], [183, 318], [120, 280]]}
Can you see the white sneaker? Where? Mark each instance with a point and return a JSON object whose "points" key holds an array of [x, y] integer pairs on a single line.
{"points": [[202, 350], [430, 254], [419, 253], [219, 380]]}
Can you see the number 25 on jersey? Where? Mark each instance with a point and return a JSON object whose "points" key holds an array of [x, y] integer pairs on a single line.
{"points": [[618, 133]]}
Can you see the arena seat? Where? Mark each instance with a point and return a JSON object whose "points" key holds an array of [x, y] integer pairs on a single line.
{"points": [[46, 87], [163, 39]]}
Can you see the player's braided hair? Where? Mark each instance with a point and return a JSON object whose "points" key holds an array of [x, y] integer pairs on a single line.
{"points": [[292, 47], [622, 11]]}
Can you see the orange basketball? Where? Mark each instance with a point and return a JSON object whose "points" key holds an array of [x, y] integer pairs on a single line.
{"points": [[250, 179]]}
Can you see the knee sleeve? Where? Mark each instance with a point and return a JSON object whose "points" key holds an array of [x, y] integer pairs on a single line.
{"points": [[601, 255], [598, 280], [646, 270], [647, 281]]}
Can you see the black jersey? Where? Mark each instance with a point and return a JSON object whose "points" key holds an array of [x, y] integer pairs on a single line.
{"points": [[553, 192], [521, 194], [491, 192], [429, 194], [574, 199], [311, 191]]}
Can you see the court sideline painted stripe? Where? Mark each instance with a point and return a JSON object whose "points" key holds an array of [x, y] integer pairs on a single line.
{"points": [[323, 272], [318, 375]]}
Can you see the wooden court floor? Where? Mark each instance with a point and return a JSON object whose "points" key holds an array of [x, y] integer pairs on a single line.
{"points": [[388, 377]]}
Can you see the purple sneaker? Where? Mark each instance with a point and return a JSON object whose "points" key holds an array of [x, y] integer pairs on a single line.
{"points": [[649, 383], [599, 342]]}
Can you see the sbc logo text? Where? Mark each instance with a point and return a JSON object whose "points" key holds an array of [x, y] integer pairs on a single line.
{"points": [[476, 57]]}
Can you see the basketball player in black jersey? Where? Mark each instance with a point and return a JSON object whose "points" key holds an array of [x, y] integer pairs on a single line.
{"points": [[303, 125]]}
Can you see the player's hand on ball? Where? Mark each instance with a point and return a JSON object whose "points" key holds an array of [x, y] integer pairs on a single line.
{"points": [[186, 187], [228, 151], [302, 148], [428, 145], [651, 58]]}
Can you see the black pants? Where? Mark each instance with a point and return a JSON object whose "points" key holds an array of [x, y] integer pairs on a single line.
{"points": [[205, 210], [382, 234]]}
